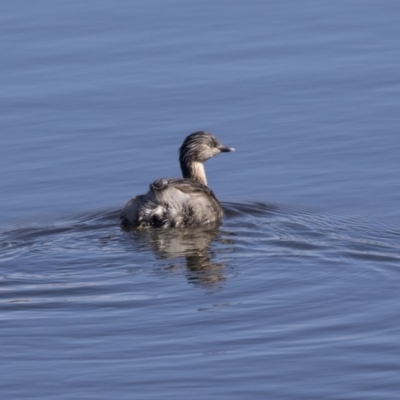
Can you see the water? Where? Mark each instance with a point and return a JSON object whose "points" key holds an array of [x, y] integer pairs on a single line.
{"points": [[295, 295]]}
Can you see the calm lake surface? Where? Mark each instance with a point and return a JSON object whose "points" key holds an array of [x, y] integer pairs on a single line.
{"points": [[296, 295]]}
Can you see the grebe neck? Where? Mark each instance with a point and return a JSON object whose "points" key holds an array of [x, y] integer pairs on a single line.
{"points": [[194, 170]]}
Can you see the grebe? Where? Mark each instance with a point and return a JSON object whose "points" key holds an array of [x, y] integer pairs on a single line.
{"points": [[180, 202]]}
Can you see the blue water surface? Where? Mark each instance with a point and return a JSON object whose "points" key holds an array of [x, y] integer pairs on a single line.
{"points": [[295, 295]]}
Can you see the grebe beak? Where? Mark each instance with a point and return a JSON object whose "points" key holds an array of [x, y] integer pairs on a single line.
{"points": [[224, 149]]}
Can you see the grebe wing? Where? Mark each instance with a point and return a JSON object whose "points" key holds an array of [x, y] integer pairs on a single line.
{"points": [[194, 201], [186, 186]]}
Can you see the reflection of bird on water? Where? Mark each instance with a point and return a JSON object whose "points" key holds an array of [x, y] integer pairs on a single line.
{"points": [[180, 202], [193, 245]]}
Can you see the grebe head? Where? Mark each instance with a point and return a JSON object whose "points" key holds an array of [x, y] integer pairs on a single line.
{"points": [[195, 150], [199, 147]]}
